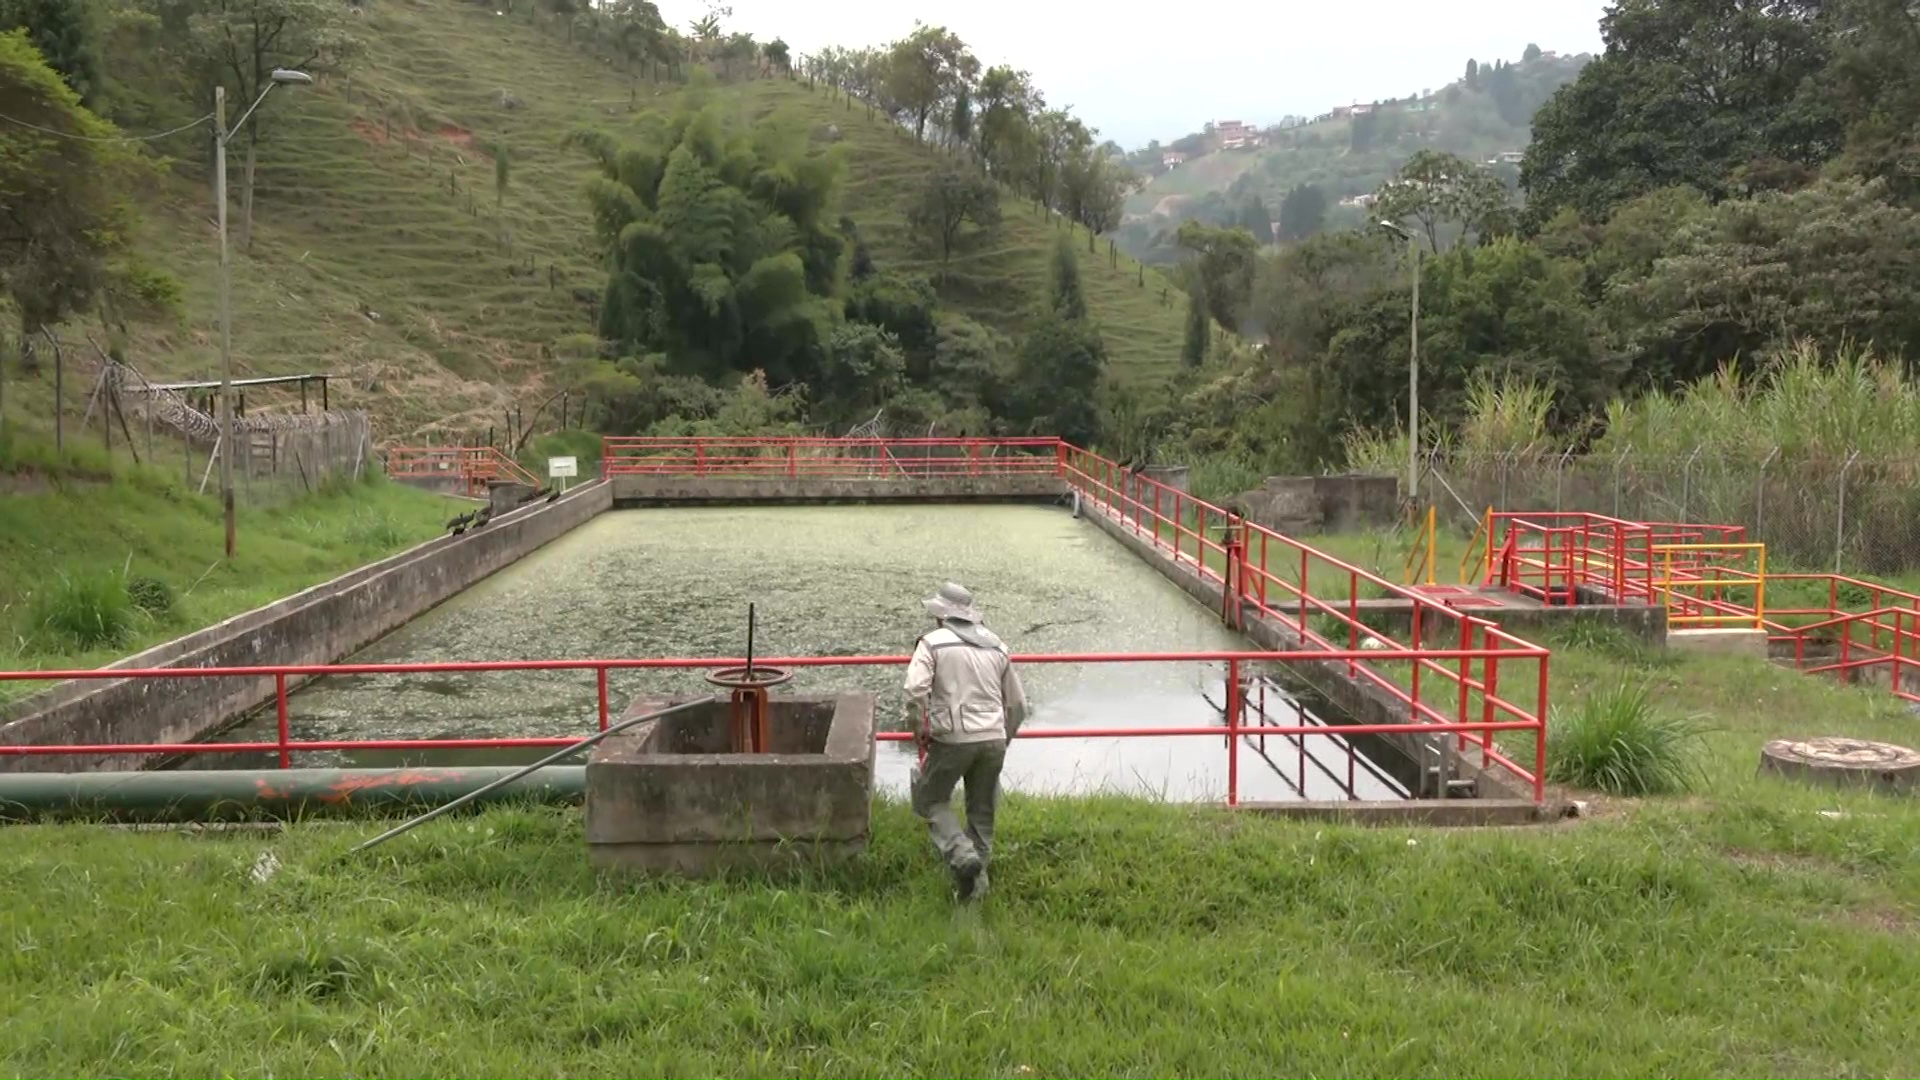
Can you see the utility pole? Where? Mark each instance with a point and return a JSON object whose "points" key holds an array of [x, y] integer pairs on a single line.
{"points": [[1413, 385], [279, 76], [226, 312]]}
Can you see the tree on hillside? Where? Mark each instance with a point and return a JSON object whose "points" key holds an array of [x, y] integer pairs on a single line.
{"points": [[1006, 102], [951, 197], [925, 70], [778, 56], [238, 43], [721, 253], [1361, 130], [1303, 212], [1193, 349], [1473, 74], [1434, 190], [1832, 263], [1688, 92], [66, 217], [1531, 53], [64, 32], [1227, 258], [1874, 84], [902, 305], [960, 119], [1254, 219], [1092, 189], [1056, 385], [1066, 298]]}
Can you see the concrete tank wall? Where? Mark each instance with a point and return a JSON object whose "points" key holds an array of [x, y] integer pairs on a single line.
{"points": [[632, 491], [317, 626]]}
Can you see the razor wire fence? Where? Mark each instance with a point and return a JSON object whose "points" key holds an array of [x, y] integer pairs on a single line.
{"points": [[1857, 512]]}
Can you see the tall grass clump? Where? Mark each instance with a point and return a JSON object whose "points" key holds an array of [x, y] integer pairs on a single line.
{"points": [[1806, 402], [86, 611], [1616, 742]]}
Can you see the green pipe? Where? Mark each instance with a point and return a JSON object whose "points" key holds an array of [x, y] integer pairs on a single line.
{"points": [[255, 794]]}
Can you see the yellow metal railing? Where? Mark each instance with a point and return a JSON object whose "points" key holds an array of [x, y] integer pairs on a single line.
{"points": [[1474, 553], [1695, 585], [1426, 552]]}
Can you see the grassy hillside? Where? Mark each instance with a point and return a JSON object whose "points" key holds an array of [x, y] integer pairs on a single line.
{"points": [[384, 253], [1458, 119], [75, 531]]}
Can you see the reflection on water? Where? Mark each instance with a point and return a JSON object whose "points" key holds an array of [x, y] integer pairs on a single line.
{"points": [[842, 580]]}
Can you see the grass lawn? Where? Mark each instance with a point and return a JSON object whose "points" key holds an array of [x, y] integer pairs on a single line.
{"points": [[1745, 933], [74, 520]]}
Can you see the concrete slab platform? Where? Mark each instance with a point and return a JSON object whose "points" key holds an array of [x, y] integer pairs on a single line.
{"points": [[668, 796], [1722, 640]]}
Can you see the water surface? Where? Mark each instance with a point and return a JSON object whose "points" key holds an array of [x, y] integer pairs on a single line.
{"points": [[825, 580]]}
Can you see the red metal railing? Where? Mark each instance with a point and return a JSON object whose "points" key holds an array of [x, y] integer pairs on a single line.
{"points": [[823, 458], [1868, 624], [1276, 577], [1550, 555], [472, 466], [1235, 728]]}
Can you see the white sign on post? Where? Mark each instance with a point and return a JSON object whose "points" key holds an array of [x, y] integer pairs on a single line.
{"points": [[562, 468]]}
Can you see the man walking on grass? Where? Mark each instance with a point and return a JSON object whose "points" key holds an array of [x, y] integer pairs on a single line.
{"points": [[971, 703]]}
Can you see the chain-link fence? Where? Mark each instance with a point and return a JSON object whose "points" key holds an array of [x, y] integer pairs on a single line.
{"points": [[1859, 512]]}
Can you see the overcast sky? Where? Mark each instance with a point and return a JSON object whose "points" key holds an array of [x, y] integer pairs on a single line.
{"points": [[1168, 70]]}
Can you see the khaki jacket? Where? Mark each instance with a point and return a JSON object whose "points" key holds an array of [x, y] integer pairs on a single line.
{"points": [[968, 688]]}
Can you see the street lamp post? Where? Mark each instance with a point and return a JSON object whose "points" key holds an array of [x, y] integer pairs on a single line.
{"points": [[220, 135], [1413, 367]]}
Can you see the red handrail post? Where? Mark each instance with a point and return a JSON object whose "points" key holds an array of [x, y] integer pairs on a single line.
{"points": [[1415, 646], [700, 457], [1353, 619], [1540, 736], [1491, 665], [600, 685], [792, 461], [1233, 733], [1466, 674], [280, 716]]}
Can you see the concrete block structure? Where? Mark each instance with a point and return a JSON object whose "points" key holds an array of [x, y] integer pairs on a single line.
{"points": [[670, 796]]}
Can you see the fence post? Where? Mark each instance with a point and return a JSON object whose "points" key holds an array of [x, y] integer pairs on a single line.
{"points": [[600, 684], [1686, 485], [1760, 494], [1617, 464], [1840, 527]]}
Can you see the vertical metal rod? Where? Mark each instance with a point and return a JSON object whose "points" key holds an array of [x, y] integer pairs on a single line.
{"points": [[600, 678], [749, 642], [280, 706], [1233, 733]]}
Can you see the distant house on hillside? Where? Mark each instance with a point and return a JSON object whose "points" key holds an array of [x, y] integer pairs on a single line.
{"points": [[1172, 159], [1362, 110], [1231, 134], [1510, 157], [1341, 112], [1364, 200]]}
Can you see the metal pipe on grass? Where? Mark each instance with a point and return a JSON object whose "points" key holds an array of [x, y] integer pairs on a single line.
{"points": [[529, 770]]}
